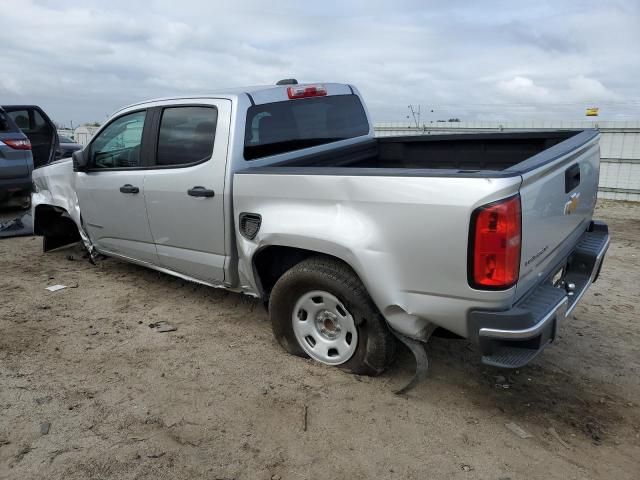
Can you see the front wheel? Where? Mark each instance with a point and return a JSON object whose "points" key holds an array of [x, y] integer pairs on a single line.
{"points": [[320, 309]]}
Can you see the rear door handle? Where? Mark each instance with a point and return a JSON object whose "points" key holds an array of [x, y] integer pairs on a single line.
{"points": [[128, 188], [201, 192]]}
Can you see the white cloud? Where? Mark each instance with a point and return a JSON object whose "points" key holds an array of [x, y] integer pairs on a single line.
{"points": [[523, 88], [590, 89]]}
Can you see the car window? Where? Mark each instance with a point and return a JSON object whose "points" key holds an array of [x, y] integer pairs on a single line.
{"points": [[64, 139], [39, 123], [186, 135], [281, 127], [118, 145], [21, 119], [5, 123]]}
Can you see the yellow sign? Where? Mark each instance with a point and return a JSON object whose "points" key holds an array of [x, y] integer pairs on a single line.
{"points": [[592, 112]]}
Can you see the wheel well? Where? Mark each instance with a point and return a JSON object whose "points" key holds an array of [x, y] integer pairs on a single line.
{"points": [[270, 263], [55, 225]]}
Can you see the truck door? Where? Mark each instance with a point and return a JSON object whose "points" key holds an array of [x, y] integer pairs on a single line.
{"points": [[185, 188], [111, 193]]}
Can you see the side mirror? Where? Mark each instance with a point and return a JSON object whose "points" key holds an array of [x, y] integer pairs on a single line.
{"points": [[80, 161]]}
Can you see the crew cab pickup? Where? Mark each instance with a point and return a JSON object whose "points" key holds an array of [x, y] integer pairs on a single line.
{"points": [[284, 193]]}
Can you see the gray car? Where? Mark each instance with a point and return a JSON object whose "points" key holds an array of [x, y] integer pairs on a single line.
{"points": [[66, 147], [16, 160]]}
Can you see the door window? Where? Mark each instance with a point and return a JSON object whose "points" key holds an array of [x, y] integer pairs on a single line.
{"points": [[21, 119], [186, 135], [118, 145]]}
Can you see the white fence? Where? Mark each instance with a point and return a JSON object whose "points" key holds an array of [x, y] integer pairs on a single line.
{"points": [[619, 147]]}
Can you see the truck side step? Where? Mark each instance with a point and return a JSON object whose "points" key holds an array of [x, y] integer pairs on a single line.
{"points": [[510, 357]]}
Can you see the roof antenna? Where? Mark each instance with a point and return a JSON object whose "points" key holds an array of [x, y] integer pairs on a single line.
{"points": [[287, 81]]}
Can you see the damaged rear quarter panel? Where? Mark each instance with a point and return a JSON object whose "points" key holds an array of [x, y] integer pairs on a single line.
{"points": [[405, 237]]}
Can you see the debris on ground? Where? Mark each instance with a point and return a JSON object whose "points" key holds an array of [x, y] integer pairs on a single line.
{"points": [[18, 227], [555, 435], [43, 400], [162, 327], [44, 428], [305, 416], [595, 431], [55, 288], [518, 430]]}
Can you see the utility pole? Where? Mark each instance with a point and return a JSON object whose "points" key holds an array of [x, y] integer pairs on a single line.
{"points": [[415, 113]]}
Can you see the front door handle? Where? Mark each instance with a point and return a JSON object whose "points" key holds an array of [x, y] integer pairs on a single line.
{"points": [[128, 188], [201, 192]]}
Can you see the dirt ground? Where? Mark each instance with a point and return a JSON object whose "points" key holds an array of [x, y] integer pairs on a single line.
{"points": [[218, 398]]}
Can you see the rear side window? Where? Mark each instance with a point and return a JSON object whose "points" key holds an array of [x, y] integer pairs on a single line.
{"points": [[29, 120], [21, 119], [281, 127], [186, 135], [5, 123]]}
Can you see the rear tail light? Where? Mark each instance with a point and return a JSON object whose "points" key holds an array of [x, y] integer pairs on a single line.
{"points": [[305, 91], [495, 240], [18, 144]]}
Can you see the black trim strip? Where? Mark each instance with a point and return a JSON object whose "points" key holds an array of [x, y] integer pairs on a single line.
{"points": [[253, 104]]}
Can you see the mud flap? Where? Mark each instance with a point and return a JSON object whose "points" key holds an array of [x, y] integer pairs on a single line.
{"points": [[422, 363]]}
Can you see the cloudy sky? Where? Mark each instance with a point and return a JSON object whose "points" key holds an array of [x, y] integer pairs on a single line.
{"points": [[489, 60]]}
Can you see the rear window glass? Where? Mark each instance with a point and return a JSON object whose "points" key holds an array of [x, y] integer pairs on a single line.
{"points": [[282, 127]]}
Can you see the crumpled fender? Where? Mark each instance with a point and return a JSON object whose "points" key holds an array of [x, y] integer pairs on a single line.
{"points": [[54, 185]]}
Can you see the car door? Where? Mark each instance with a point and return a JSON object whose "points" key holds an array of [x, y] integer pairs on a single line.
{"points": [[111, 192], [39, 129], [185, 188]]}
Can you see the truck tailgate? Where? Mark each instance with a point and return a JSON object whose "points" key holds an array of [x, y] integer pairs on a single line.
{"points": [[558, 195]]}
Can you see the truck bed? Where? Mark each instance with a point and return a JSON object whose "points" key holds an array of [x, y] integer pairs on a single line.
{"points": [[511, 153]]}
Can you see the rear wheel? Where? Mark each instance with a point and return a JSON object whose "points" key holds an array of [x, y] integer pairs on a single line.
{"points": [[320, 309]]}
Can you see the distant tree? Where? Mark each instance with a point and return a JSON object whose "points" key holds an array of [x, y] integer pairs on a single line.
{"points": [[454, 119]]}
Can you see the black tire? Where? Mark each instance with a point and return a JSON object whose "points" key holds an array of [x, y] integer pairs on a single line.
{"points": [[376, 344]]}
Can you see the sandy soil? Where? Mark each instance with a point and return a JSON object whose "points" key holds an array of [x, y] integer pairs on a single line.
{"points": [[218, 399]]}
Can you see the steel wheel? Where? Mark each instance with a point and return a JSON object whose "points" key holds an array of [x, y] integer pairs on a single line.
{"points": [[324, 328]]}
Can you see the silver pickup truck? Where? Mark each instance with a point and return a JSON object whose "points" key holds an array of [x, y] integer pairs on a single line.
{"points": [[283, 192]]}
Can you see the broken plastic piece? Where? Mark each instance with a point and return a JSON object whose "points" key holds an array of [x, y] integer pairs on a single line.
{"points": [[55, 288], [422, 363]]}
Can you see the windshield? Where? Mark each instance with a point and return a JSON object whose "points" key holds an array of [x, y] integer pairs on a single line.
{"points": [[286, 126], [64, 139]]}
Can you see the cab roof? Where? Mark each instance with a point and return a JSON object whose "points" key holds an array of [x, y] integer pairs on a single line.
{"points": [[258, 94]]}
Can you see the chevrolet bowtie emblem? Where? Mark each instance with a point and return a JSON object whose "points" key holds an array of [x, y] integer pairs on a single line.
{"points": [[572, 205]]}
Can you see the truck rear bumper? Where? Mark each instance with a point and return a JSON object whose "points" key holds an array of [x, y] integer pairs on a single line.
{"points": [[512, 338]]}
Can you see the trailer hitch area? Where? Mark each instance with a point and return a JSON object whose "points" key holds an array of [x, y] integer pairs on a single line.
{"points": [[422, 363]]}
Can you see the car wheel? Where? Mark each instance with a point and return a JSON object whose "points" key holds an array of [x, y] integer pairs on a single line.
{"points": [[320, 309]]}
